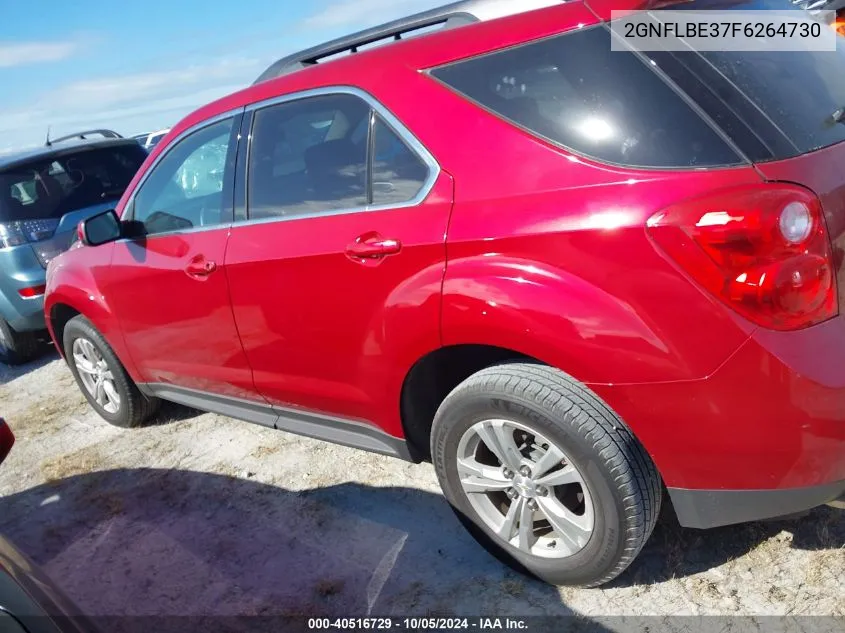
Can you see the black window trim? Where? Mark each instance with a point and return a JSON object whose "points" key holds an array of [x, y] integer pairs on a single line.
{"points": [[742, 160], [377, 108], [234, 138], [371, 152], [244, 148]]}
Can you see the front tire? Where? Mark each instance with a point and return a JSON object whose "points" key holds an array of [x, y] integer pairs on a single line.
{"points": [[545, 475], [102, 378]]}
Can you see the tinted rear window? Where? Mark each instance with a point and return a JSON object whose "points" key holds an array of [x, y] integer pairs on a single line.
{"points": [[50, 188], [798, 91], [785, 99], [574, 91]]}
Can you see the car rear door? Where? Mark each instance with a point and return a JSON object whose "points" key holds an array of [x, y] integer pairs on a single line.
{"points": [[335, 273], [168, 286]]}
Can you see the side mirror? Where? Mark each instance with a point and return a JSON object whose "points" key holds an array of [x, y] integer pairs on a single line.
{"points": [[100, 229]]}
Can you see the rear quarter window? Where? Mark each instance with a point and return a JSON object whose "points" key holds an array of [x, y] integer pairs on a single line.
{"points": [[797, 91], [792, 95], [574, 91]]}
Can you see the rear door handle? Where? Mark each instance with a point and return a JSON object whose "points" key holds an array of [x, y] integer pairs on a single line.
{"points": [[200, 267], [373, 247]]}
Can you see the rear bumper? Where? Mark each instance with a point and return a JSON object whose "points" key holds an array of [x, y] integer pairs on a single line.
{"points": [[24, 315], [763, 436], [713, 508], [20, 268]]}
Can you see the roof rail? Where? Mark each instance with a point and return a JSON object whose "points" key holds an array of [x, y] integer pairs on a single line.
{"points": [[83, 135], [448, 16]]}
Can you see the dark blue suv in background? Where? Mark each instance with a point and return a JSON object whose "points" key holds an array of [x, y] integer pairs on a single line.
{"points": [[44, 193]]}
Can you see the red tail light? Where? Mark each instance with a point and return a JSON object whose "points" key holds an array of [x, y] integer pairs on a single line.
{"points": [[761, 249], [32, 291]]}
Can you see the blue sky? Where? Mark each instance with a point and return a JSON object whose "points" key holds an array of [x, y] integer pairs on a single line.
{"points": [[139, 66]]}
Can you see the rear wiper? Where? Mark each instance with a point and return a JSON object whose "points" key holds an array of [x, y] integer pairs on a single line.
{"points": [[838, 116]]}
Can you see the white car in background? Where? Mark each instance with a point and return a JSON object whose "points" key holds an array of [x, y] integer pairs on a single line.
{"points": [[148, 141]]}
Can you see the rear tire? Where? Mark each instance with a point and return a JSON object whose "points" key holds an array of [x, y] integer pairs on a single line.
{"points": [[586, 490], [16, 348], [102, 378]]}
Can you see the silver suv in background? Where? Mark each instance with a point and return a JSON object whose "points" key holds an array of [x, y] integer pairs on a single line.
{"points": [[44, 194]]}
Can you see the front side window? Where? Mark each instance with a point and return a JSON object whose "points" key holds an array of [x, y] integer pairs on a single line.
{"points": [[573, 90], [185, 189], [325, 154]]}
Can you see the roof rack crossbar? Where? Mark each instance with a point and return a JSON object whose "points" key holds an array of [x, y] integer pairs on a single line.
{"points": [[83, 135], [450, 15]]}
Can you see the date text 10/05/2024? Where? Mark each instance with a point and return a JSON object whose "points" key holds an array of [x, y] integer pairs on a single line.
{"points": [[481, 624]]}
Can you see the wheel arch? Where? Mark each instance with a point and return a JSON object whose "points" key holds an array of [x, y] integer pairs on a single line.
{"points": [[437, 373], [62, 308], [433, 377], [60, 314]]}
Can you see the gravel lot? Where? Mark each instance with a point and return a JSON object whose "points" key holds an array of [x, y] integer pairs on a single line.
{"points": [[201, 514]]}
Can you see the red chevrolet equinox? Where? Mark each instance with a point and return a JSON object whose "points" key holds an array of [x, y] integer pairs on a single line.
{"points": [[576, 280]]}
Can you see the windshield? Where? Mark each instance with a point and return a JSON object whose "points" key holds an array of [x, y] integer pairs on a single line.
{"points": [[50, 188]]}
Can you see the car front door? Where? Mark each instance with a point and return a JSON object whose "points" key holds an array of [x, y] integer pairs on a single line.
{"points": [[340, 260], [168, 287]]}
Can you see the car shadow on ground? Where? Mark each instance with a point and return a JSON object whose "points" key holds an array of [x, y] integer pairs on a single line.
{"points": [[677, 552], [45, 355], [170, 412], [171, 542]]}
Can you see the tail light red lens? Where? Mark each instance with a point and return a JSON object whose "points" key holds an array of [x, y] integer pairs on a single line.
{"points": [[761, 249], [32, 291]]}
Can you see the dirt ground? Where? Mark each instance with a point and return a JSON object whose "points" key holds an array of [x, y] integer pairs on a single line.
{"points": [[201, 514]]}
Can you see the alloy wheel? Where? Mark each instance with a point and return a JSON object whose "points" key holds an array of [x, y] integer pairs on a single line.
{"points": [[525, 489], [96, 375]]}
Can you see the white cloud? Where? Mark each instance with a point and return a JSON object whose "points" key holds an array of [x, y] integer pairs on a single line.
{"points": [[126, 103], [25, 53], [62, 122], [106, 91], [162, 94], [8, 149], [349, 12]]}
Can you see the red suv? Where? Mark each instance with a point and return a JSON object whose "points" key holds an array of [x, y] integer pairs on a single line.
{"points": [[566, 275]]}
